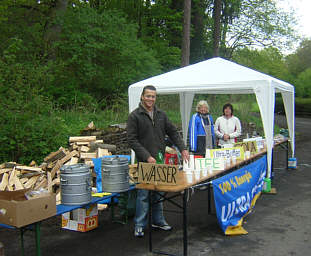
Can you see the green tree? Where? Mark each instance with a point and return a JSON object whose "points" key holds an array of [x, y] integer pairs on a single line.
{"points": [[260, 23], [300, 60], [303, 84], [26, 130], [268, 60], [98, 54]]}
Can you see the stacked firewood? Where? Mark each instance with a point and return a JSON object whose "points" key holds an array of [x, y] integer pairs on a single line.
{"points": [[115, 135], [82, 149]]}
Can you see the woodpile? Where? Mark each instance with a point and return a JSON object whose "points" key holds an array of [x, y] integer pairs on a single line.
{"points": [[82, 149], [115, 136]]}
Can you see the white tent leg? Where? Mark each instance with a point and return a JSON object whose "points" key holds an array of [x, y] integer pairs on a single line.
{"points": [[265, 96], [289, 105]]}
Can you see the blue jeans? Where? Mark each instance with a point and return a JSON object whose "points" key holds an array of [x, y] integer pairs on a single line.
{"points": [[142, 208]]}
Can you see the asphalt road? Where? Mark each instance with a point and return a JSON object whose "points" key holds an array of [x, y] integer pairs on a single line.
{"points": [[280, 224]]}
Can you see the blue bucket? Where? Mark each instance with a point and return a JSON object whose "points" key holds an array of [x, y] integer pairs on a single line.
{"points": [[292, 163]]}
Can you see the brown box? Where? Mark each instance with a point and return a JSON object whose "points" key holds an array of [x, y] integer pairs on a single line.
{"points": [[16, 210]]}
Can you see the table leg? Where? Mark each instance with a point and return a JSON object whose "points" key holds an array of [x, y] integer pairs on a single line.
{"points": [[22, 241], [272, 171], [38, 235], [209, 198], [287, 154], [185, 226], [150, 220]]}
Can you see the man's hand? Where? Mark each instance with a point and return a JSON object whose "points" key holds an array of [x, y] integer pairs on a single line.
{"points": [[226, 137], [151, 160], [185, 155]]}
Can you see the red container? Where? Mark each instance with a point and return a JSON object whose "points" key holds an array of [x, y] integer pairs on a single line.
{"points": [[198, 156], [170, 159]]}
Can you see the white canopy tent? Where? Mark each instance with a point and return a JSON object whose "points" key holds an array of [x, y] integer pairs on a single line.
{"points": [[220, 76]]}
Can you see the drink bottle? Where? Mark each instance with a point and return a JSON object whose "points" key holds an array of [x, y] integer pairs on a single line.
{"points": [[160, 159]]}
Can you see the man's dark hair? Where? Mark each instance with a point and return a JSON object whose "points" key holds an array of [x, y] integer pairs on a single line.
{"points": [[148, 87], [228, 105]]}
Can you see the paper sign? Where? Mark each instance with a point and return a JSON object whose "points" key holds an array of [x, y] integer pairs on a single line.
{"points": [[159, 174], [248, 146], [213, 163], [260, 144], [225, 153]]}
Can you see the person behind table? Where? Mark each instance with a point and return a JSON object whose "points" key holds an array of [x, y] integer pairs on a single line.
{"points": [[147, 127], [201, 129], [227, 127]]}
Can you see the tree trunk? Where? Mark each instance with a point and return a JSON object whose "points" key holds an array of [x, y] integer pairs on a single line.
{"points": [[185, 48], [199, 30], [216, 32], [53, 31]]}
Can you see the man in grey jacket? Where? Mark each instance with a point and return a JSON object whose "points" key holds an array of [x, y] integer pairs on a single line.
{"points": [[147, 127]]}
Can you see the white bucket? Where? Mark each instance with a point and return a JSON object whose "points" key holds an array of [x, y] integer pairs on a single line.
{"points": [[292, 163]]}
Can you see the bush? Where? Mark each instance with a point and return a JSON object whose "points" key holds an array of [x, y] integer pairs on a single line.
{"points": [[303, 106]]}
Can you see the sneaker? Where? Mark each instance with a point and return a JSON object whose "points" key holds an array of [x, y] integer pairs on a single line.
{"points": [[139, 232], [164, 227]]}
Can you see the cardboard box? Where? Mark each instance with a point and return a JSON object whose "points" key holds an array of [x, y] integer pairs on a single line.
{"points": [[17, 211], [82, 219]]}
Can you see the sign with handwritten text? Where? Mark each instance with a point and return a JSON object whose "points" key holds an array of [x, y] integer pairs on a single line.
{"points": [[250, 146], [212, 163], [159, 174]]}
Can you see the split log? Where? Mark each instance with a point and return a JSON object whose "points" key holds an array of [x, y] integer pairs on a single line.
{"points": [[89, 163], [10, 164], [82, 138], [62, 161], [31, 182], [56, 181], [43, 166], [33, 163], [102, 152], [73, 160], [74, 146], [88, 155], [110, 147], [12, 178], [55, 155], [18, 185], [49, 179], [43, 183], [4, 182], [5, 170], [58, 197], [23, 180], [29, 168], [84, 149], [81, 143]]}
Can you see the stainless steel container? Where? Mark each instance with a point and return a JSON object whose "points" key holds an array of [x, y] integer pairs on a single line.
{"points": [[75, 183], [115, 174]]}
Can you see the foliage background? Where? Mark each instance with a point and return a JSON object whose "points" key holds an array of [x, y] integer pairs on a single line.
{"points": [[64, 63]]}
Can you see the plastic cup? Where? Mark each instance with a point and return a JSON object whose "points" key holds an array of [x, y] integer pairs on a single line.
{"points": [[197, 174], [210, 169], [204, 172], [189, 176], [233, 160], [228, 162], [247, 154]]}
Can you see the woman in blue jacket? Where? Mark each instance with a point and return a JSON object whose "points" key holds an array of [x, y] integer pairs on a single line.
{"points": [[201, 130]]}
